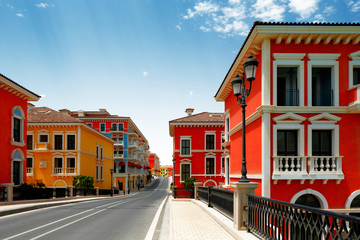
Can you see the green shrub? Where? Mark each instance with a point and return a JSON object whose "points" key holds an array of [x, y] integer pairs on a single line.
{"points": [[189, 182], [83, 182]]}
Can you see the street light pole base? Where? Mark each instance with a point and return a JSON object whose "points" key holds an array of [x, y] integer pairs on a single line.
{"points": [[243, 180]]}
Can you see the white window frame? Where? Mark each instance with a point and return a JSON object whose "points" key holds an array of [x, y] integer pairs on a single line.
{"points": [[324, 60], [43, 134], [227, 127], [22, 119], [21, 168], [289, 60], [227, 170], [53, 165], [66, 140], [222, 164], [66, 165], [57, 134], [210, 133], [122, 126], [300, 133], [102, 124], [355, 62], [32, 160], [181, 139], [183, 180], [334, 136], [210, 174]]}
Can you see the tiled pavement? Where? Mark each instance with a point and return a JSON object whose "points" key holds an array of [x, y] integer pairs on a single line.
{"points": [[189, 221]]}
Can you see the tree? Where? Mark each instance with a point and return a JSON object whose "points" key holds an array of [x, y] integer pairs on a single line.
{"points": [[83, 182], [189, 183]]}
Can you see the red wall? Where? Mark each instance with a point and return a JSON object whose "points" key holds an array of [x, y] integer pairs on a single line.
{"points": [[7, 102]]}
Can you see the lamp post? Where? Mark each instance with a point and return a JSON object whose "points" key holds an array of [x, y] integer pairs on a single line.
{"points": [[128, 183], [112, 189], [173, 174], [241, 92]]}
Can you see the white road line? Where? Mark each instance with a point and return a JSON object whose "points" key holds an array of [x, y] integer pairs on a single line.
{"points": [[33, 229], [44, 234], [152, 227]]}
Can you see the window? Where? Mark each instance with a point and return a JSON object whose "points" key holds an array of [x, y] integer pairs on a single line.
{"points": [[323, 77], [210, 141], [17, 125], [210, 165], [227, 128], [29, 166], [288, 79], [121, 127], [70, 165], [58, 139], [354, 70], [101, 172], [17, 166], [185, 146], [114, 127], [70, 145], [97, 172], [287, 86], [43, 138], [29, 142], [322, 143], [356, 75], [101, 154], [97, 152], [322, 93], [222, 165], [222, 140], [89, 124], [102, 127], [287, 143], [58, 165], [185, 171]]}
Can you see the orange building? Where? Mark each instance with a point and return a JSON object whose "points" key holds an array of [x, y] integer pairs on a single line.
{"points": [[13, 117], [302, 115], [61, 147], [166, 170]]}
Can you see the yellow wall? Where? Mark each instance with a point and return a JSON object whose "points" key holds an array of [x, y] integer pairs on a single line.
{"points": [[85, 155]]}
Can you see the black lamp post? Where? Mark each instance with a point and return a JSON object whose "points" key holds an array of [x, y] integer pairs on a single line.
{"points": [[173, 171], [128, 183], [241, 92], [112, 188]]}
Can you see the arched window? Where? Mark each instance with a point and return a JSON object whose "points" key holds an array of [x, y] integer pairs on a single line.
{"points": [[355, 204], [17, 125], [308, 200], [17, 158]]}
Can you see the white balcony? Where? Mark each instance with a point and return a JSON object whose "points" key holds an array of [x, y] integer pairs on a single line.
{"points": [[58, 171], [118, 155], [119, 143], [307, 168], [70, 170]]}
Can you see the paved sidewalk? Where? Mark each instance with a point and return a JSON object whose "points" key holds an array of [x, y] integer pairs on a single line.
{"points": [[189, 221]]}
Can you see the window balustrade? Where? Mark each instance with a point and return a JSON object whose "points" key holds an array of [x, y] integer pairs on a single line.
{"points": [[71, 170], [29, 170], [305, 167], [58, 170]]}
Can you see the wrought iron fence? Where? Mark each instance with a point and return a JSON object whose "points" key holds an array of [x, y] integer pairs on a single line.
{"points": [[181, 192], [221, 199], [273, 219]]}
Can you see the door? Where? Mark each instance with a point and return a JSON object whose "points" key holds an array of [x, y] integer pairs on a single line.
{"points": [[16, 173]]}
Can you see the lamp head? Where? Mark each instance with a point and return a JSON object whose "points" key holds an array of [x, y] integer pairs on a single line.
{"points": [[250, 67]]}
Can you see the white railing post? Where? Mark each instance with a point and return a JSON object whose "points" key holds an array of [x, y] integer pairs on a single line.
{"points": [[196, 186], [241, 200]]}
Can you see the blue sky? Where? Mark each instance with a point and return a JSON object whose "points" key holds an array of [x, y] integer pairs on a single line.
{"points": [[147, 59]]}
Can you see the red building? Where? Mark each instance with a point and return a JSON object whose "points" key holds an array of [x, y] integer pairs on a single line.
{"points": [[154, 164], [302, 115], [197, 148], [13, 113]]}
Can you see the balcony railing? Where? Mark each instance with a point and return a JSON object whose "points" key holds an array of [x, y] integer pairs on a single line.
{"points": [[322, 97], [58, 170], [29, 170], [288, 97], [319, 167], [118, 155], [116, 129], [70, 170], [119, 143]]}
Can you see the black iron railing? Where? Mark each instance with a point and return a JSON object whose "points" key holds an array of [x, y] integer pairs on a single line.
{"points": [[288, 97], [273, 219], [3, 194], [221, 199], [322, 97], [181, 192]]}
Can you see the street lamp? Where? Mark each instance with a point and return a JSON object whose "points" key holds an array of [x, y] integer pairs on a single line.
{"points": [[128, 183], [112, 189], [240, 92], [173, 187]]}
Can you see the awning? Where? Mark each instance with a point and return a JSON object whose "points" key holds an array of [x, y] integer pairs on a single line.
{"points": [[121, 164]]}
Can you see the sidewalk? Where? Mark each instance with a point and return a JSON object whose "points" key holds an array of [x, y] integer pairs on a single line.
{"points": [[192, 219]]}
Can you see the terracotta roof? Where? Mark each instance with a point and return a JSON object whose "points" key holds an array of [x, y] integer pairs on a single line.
{"points": [[48, 115], [204, 117]]}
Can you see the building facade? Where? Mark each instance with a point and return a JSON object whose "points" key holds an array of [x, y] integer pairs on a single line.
{"points": [[13, 117], [197, 148], [131, 156], [154, 164], [60, 147], [166, 170], [302, 115]]}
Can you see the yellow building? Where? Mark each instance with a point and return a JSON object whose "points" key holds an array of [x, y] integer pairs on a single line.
{"points": [[166, 170], [60, 147]]}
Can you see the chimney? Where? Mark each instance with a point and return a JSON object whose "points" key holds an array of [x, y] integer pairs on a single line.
{"points": [[189, 111], [64, 111]]}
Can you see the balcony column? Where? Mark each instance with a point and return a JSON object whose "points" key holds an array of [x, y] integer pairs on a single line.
{"points": [[197, 185], [241, 192]]}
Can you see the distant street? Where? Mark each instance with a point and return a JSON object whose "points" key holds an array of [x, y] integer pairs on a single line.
{"points": [[126, 217]]}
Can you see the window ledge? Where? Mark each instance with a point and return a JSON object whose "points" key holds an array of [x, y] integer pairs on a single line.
{"points": [[185, 155], [19, 144]]}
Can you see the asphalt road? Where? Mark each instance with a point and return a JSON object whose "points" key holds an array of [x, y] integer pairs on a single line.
{"points": [[128, 217]]}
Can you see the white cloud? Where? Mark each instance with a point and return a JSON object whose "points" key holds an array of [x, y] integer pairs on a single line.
{"points": [[305, 8], [354, 5], [202, 8], [42, 95], [319, 18], [268, 10], [20, 15], [329, 10], [191, 93], [178, 27], [42, 5], [233, 2], [145, 74]]}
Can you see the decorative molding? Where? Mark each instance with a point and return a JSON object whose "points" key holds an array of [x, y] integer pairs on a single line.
{"points": [[331, 119], [289, 56], [249, 120], [324, 56], [295, 119]]}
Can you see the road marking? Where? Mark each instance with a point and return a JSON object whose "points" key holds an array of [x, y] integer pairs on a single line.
{"points": [[33, 229], [152, 228], [78, 220]]}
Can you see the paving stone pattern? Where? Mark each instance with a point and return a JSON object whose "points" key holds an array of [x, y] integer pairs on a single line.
{"points": [[190, 222]]}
